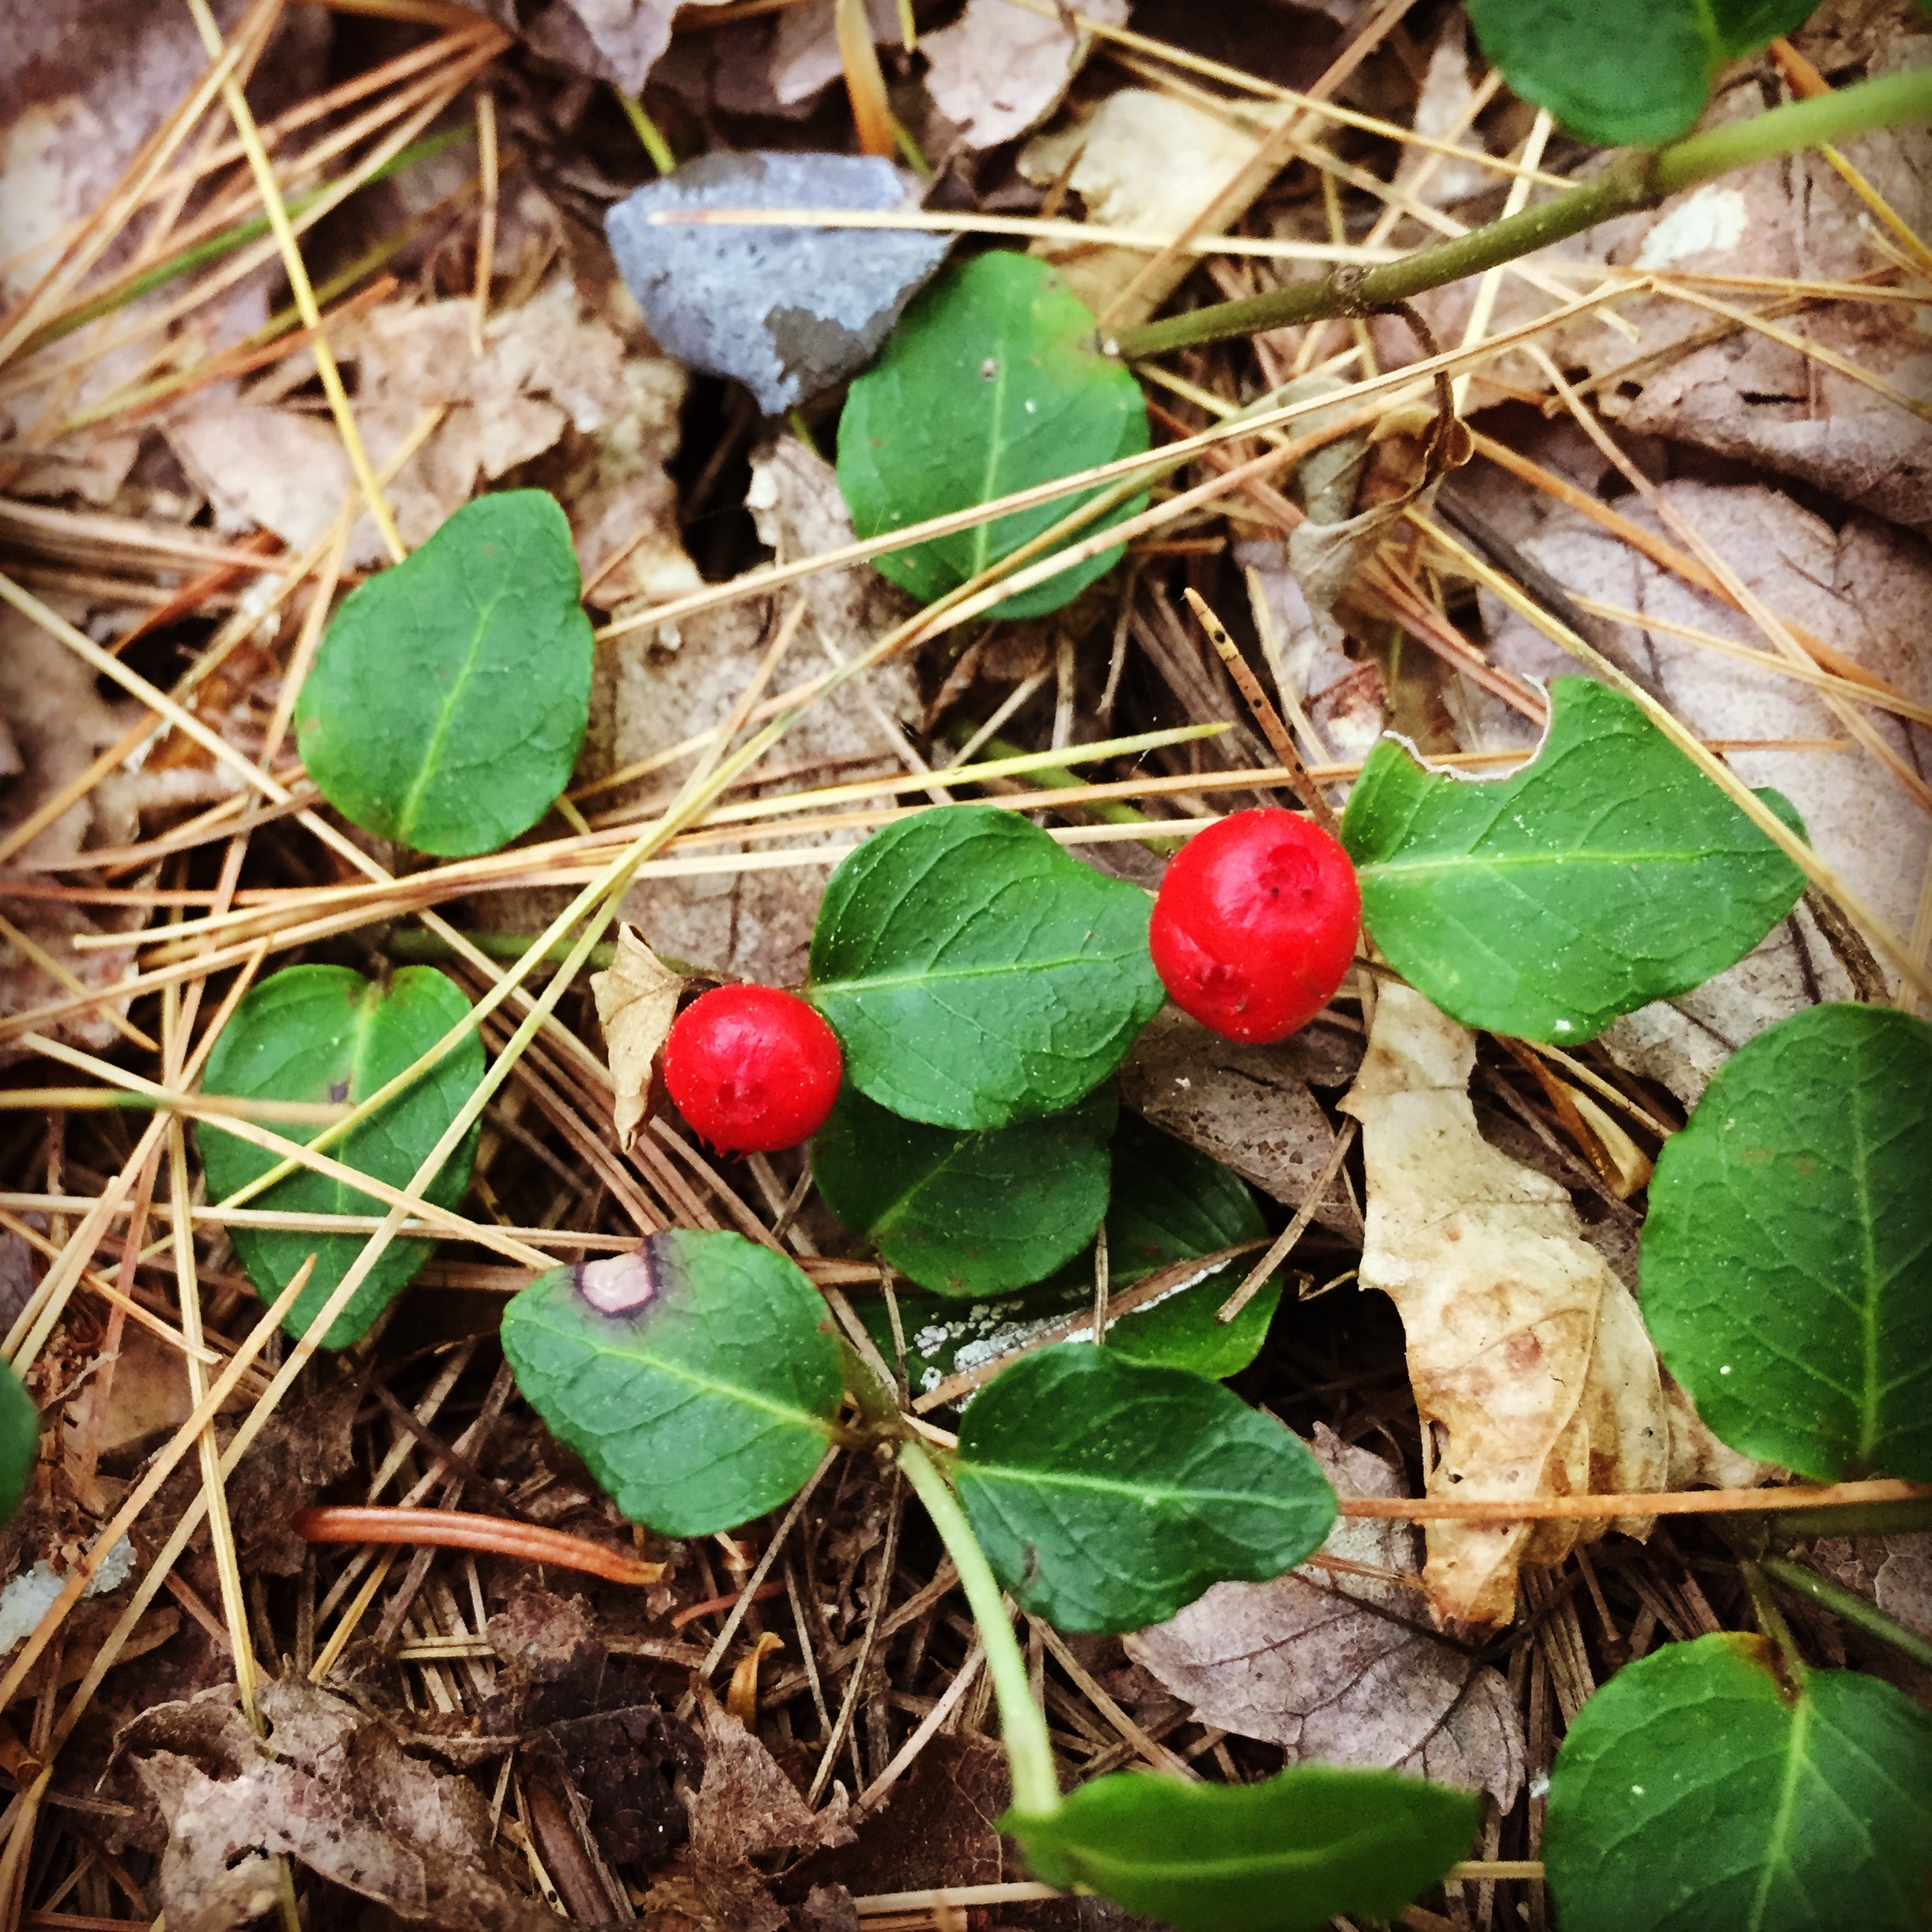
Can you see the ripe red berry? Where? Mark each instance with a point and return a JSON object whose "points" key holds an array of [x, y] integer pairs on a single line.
{"points": [[1256, 925], [753, 1069]]}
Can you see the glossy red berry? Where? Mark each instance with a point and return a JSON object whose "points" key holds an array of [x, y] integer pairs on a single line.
{"points": [[752, 1068], [1256, 925]]}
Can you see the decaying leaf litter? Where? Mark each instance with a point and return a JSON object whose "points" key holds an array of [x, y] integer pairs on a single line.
{"points": [[1712, 456]]}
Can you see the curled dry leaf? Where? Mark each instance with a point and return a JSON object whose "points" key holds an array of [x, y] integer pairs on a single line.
{"points": [[328, 1787], [616, 40], [1339, 1668], [1532, 1371], [1001, 68], [1249, 1107], [636, 1001]]}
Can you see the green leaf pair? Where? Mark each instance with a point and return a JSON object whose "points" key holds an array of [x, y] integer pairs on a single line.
{"points": [[1633, 74], [1169, 1204]]}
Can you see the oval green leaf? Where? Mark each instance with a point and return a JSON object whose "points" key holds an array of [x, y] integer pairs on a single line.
{"points": [[322, 1033], [992, 382], [1170, 1204], [20, 1443], [967, 1213], [1708, 1786], [449, 702], [1287, 1854], [1633, 75], [1786, 1272], [697, 1376], [1108, 1495], [975, 974], [1607, 873]]}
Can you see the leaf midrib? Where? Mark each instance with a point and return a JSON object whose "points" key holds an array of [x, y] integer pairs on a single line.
{"points": [[999, 969], [1776, 1848], [1101, 1485], [1569, 855], [645, 1358], [412, 799]]}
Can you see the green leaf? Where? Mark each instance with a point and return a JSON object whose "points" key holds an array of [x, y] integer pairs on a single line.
{"points": [[1607, 873], [1635, 74], [1170, 1203], [1286, 1855], [967, 1213], [697, 1376], [1108, 1495], [449, 699], [1707, 1785], [322, 1033], [1787, 1254], [20, 1442], [975, 974], [992, 382]]}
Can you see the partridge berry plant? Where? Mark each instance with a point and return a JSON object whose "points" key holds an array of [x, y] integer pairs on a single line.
{"points": [[973, 989]]}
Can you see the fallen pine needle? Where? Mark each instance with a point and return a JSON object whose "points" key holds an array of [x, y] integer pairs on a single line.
{"points": [[1663, 1502], [454, 1530]]}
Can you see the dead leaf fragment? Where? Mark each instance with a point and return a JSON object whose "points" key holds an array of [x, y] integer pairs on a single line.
{"points": [[1248, 1107], [1144, 162], [1528, 1359], [746, 1807], [329, 1788], [1001, 68], [1338, 1668], [636, 1001]]}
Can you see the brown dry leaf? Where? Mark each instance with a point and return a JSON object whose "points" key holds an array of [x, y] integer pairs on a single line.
{"points": [[329, 1788], [616, 40], [1530, 1368], [1249, 1107], [1340, 1668], [746, 1807], [553, 376], [1144, 162], [1862, 586], [636, 1001], [1747, 396], [656, 688], [805, 59], [1001, 68]]}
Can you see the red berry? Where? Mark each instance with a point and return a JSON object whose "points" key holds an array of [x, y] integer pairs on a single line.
{"points": [[1256, 925], [752, 1068]]}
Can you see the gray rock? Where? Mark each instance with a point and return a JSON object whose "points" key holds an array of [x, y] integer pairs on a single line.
{"points": [[788, 311]]}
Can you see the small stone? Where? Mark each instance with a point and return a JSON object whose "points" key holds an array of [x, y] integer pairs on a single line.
{"points": [[788, 311]]}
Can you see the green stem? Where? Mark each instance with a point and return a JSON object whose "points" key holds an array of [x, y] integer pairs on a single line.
{"points": [[1029, 1750], [1853, 1607], [1058, 777], [1630, 182], [648, 132]]}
